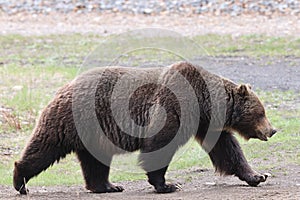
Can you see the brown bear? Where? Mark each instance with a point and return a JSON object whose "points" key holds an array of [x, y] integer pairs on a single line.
{"points": [[66, 125]]}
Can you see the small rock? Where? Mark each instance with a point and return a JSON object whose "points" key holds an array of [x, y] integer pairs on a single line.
{"points": [[210, 183], [147, 11], [17, 87]]}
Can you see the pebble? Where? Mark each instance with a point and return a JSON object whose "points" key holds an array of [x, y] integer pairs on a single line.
{"points": [[17, 87], [233, 8], [210, 183]]}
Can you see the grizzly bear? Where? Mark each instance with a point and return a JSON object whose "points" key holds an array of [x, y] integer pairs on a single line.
{"points": [[84, 118]]}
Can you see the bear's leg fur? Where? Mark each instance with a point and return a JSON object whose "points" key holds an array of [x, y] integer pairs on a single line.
{"points": [[96, 174], [35, 159], [228, 158], [149, 162], [157, 179]]}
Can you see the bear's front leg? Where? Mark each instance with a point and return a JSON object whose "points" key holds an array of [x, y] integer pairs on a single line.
{"points": [[228, 158]]}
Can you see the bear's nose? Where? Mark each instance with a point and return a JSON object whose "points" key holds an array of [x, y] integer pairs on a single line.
{"points": [[273, 132]]}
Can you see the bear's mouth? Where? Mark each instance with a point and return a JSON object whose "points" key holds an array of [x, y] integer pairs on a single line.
{"points": [[262, 137]]}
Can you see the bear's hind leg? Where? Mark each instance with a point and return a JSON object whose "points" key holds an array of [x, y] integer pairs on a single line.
{"points": [[96, 174], [228, 158], [38, 156], [157, 177]]}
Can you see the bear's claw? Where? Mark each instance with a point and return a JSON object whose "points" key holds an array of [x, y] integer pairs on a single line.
{"points": [[106, 188], [117, 189], [168, 188], [255, 179], [178, 186], [23, 190]]}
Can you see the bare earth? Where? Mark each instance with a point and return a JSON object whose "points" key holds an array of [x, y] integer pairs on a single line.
{"points": [[281, 74], [204, 184], [109, 23]]}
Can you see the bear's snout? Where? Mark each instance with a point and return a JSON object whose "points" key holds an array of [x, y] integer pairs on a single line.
{"points": [[264, 135], [265, 130]]}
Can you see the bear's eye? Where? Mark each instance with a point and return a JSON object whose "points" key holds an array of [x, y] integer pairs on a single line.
{"points": [[261, 115]]}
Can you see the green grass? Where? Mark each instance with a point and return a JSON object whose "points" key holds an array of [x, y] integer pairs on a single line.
{"points": [[70, 50], [32, 68], [249, 45]]}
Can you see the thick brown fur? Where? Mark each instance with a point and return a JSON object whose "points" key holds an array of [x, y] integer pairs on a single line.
{"points": [[56, 135]]}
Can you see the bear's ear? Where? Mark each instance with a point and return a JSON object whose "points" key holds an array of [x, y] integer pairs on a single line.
{"points": [[243, 90], [249, 86]]}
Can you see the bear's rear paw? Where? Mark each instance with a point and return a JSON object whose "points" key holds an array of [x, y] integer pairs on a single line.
{"points": [[114, 188], [106, 188], [23, 190], [168, 188], [254, 179]]}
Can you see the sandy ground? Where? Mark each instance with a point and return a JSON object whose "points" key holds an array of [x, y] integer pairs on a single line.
{"points": [[204, 184], [108, 23]]}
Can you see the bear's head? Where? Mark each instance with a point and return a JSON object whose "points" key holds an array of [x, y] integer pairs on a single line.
{"points": [[248, 115]]}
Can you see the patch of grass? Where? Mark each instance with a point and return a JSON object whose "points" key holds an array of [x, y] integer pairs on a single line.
{"points": [[26, 90], [281, 149], [249, 45], [66, 172], [51, 50], [70, 50]]}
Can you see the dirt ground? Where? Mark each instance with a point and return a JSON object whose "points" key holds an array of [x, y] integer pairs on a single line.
{"points": [[109, 23], [263, 73], [204, 184]]}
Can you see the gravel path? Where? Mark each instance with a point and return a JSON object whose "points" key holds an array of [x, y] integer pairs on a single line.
{"points": [[264, 7], [265, 73]]}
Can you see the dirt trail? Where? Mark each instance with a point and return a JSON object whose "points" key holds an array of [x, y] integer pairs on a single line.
{"points": [[203, 184], [110, 23], [265, 73]]}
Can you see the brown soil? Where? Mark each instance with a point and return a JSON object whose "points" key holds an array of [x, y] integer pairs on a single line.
{"points": [[108, 23], [196, 184]]}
